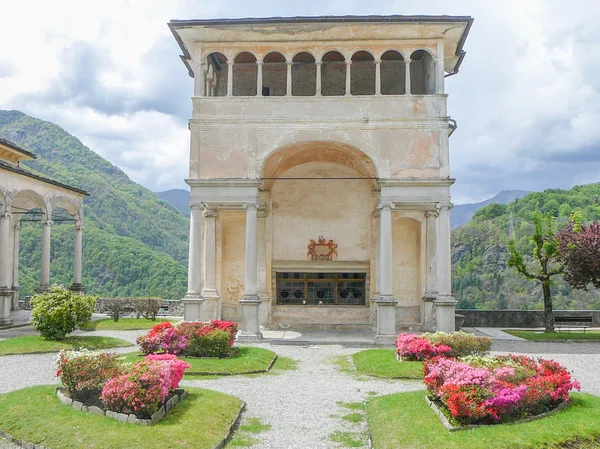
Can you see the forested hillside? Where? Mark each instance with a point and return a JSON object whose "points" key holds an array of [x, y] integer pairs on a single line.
{"points": [[134, 242], [481, 278]]}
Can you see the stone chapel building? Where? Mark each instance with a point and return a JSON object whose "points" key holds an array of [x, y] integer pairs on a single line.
{"points": [[319, 171]]}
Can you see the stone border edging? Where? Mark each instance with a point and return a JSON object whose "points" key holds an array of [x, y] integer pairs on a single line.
{"points": [[204, 373], [232, 428], [124, 417], [452, 428], [21, 443]]}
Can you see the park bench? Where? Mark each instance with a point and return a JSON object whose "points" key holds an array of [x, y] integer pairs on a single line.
{"points": [[573, 321]]}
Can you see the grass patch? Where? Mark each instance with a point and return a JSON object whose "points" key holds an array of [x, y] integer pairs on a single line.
{"points": [[247, 360], [244, 437], [404, 420], [343, 363], [35, 344], [124, 324], [347, 439], [351, 405], [353, 417], [556, 336], [36, 415], [383, 363], [284, 364]]}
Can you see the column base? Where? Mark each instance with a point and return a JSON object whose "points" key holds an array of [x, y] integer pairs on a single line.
{"points": [[250, 329], [15, 298], [445, 306], [77, 288], [210, 307], [6, 296], [386, 318], [428, 311], [42, 289], [192, 307]]}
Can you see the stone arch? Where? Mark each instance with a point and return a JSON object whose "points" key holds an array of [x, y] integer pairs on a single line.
{"points": [[245, 74], [422, 72], [393, 73], [362, 73], [333, 73], [289, 156], [304, 74], [274, 74], [27, 200], [216, 85]]}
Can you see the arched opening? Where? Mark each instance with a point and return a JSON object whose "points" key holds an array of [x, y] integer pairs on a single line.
{"points": [[393, 73], [422, 73], [333, 74], [274, 75], [304, 75], [216, 78], [245, 73], [362, 74]]}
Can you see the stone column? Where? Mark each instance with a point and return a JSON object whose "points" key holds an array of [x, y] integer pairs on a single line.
{"points": [[5, 274], [348, 77], [407, 76], [45, 275], [210, 307], [259, 77], [431, 267], [445, 304], [78, 260], [376, 282], [439, 66], [288, 84], [15, 279], [250, 303], [199, 78], [386, 304], [229, 78], [319, 65], [261, 255], [192, 303], [378, 77]]}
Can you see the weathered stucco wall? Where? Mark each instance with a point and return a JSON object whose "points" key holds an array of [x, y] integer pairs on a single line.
{"points": [[304, 209], [233, 237], [406, 286]]}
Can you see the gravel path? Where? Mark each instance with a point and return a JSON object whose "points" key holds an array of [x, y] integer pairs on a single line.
{"points": [[301, 405]]}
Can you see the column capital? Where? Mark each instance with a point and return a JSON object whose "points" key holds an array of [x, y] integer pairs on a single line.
{"points": [[432, 213], [196, 206], [348, 61], [377, 213], [289, 62], [259, 62], [386, 205], [230, 63], [46, 222], [407, 61], [209, 213], [377, 61], [79, 227], [445, 206], [251, 206], [5, 214], [319, 62]]}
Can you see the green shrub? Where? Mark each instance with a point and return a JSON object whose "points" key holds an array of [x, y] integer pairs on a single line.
{"points": [[59, 312], [462, 343], [147, 307], [116, 307], [213, 344]]}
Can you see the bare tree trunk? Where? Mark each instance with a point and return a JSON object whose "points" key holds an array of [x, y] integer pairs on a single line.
{"points": [[548, 314]]}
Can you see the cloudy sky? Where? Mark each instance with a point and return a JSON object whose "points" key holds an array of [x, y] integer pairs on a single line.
{"points": [[527, 98]]}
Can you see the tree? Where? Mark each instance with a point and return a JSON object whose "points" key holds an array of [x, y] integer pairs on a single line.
{"points": [[546, 254], [579, 247]]}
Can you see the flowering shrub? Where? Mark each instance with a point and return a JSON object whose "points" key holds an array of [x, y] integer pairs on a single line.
{"points": [[228, 326], [162, 337], [84, 373], [209, 343], [141, 390], [413, 347], [492, 389], [176, 366], [462, 343]]}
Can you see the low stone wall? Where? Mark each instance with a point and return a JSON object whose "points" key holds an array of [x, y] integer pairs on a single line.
{"points": [[169, 307], [518, 318]]}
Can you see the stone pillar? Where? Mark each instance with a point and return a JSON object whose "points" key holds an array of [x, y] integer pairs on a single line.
{"points": [[407, 76], [261, 255], [229, 78], [45, 275], [5, 274], [288, 84], [445, 304], [348, 77], [15, 279], [210, 295], [376, 282], [78, 260], [199, 78], [259, 77], [439, 66], [192, 303], [319, 65], [386, 304], [431, 267], [378, 77], [250, 303]]}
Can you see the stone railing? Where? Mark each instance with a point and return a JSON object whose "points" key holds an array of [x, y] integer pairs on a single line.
{"points": [[518, 318]]}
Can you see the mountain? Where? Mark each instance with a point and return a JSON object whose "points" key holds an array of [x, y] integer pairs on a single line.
{"points": [[135, 244], [179, 198], [462, 213], [481, 277]]}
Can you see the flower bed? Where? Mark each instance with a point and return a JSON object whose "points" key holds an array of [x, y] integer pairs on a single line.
{"points": [[454, 344], [490, 390], [104, 382], [190, 338]]}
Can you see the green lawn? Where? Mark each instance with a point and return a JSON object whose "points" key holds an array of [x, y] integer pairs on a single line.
{"points": [[124, 324], [247, 360], [555, 336], [35, 414], [383, 363], [404, 420], [33, 344]]}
